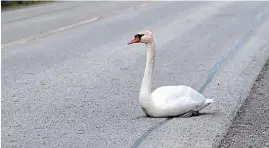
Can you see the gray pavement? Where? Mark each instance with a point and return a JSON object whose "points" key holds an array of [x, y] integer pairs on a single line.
{"points": [[22, 23], [79, 87], [250, 129]]}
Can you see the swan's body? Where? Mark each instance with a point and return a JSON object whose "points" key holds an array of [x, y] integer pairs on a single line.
{"points": [[165, 101]]}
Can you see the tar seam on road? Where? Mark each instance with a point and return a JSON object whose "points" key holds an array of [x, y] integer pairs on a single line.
{"points": [[214, 70]]}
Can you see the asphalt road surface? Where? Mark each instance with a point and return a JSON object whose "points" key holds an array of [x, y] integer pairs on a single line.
{"points": [[69, 79]]}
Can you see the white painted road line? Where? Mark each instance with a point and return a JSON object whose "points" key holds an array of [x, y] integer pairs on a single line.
{"points": [[31, 38], [35, 37]]}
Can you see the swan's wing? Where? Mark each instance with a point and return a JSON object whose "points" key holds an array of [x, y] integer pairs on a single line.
{"points": [[177, 98], [174, 92]]}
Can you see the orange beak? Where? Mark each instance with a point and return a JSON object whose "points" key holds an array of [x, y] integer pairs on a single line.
{"points": [[135, 40]]}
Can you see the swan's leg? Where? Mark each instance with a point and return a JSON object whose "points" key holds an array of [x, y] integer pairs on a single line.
{"points": [[202, 106], [187, 114]]}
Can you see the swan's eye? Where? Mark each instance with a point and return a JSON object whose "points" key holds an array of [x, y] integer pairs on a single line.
{"points": [[139, 35]]}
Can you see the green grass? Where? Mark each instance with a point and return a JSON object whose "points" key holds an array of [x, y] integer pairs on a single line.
{"points": [[7, 5]]}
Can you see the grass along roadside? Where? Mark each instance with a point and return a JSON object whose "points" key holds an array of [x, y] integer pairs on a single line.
{"points": [[9, 5]]}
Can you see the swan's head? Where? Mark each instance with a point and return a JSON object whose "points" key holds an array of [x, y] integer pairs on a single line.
{"points": [[145, 36]]}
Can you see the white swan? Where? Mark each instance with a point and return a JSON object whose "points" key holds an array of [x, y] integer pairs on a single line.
{"points": [[165, 101]]}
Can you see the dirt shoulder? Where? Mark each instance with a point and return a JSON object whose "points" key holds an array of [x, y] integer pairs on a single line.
{"points": [[250, 129]]}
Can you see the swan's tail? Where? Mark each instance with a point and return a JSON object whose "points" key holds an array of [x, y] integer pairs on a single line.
{"points": [[206, 103]]}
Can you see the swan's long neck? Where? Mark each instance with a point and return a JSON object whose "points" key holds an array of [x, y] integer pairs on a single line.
{"points": [[145, 90]]}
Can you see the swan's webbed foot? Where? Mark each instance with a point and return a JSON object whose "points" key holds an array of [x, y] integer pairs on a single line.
{"points": [[196, 113], [187, 114]]}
